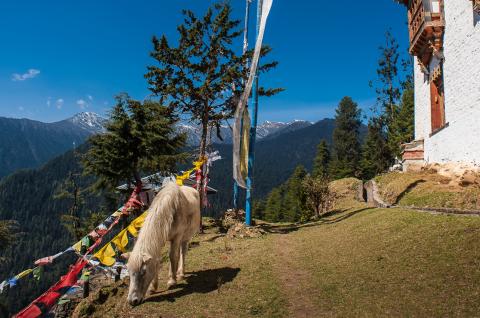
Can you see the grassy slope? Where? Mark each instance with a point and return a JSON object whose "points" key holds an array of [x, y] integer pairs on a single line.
{"points": [[361, 262], [424, 189]]}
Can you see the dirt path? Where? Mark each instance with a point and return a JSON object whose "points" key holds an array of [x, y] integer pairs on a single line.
{"points": [[295, 280]]}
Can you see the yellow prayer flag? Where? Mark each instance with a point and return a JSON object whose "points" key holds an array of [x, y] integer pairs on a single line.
{"points": [[77, 246], [24, 273], [117, 213], [121, 240], [106, 255], [245, 144]]}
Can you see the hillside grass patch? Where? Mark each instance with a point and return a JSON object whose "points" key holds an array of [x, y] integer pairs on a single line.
{"points": [[425, 189], [225, 278], [382, 262], [346, 192]]}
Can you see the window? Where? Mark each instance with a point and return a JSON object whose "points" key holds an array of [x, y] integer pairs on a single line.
{"points": [[437, 96], [435, 6]]}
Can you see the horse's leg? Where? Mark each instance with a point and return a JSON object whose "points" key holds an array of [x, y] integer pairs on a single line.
{"points": [[154, 285], [174, 256], [181, 266]]}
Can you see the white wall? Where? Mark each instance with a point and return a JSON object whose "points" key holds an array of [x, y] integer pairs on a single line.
{"points": [[460, 141]]}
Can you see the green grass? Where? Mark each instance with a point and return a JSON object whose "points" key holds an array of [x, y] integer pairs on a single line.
{"points": [[227, 278], [383, 262], [354, 262], [425, 189]]}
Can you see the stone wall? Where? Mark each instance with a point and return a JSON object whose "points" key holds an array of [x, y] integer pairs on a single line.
{"points": [[460, 141]]}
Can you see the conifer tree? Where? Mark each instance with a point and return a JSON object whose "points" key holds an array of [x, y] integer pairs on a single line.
{"points": [[322, 159], [376, 156], [7, 233], [140, 138], [388, 85], [274, 206], [70, 190], [396, 113], [202, 76], [402, 127], [294, 196], [346, 144], [259, 209]]}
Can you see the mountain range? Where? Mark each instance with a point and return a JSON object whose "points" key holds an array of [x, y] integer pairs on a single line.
{"points": [[265, 130], [26, 143]]}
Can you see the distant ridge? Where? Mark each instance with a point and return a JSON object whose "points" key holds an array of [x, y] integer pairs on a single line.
{"points": [[26, 143], [267, 129]]}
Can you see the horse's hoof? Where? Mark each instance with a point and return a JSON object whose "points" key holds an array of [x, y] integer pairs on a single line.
{"points": [[171, 283], [180, 277]]}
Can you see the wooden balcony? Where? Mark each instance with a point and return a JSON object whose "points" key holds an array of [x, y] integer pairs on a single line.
{"points": [[426, 28]]}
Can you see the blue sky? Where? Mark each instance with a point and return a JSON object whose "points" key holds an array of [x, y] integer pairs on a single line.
{"points": [[59, 57]]}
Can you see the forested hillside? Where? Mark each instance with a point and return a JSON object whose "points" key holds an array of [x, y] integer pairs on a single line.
{"points": [[28, 143], [27, 197], [275, 160]]}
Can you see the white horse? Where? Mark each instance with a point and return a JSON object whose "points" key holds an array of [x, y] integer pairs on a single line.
{"points": [[173, 216]]}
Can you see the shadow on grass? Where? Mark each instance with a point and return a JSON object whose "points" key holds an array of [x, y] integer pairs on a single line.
{"points": [[201, 282], [285, 229], [408, 189]]}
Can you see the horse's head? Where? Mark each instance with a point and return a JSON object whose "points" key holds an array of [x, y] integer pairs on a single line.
{"points": [[141, 269]]}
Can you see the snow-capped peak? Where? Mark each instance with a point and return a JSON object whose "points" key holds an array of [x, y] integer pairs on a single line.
{"points": [[90, 121]]}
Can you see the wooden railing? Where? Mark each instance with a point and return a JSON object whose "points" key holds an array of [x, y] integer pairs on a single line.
{"points": [[421, 22], [416, 19]]}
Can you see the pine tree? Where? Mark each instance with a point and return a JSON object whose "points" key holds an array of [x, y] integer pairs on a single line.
{"points": [[140, 138], [402, 127], [376, 156], [389, 86], [346, 144], [202, 77], [7, 234], [294, 202], [396, 120], [274, 206], [322, 159], [259, 207]]}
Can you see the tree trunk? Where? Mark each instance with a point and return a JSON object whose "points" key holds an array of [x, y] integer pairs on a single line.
{"points": [[203, 149]]}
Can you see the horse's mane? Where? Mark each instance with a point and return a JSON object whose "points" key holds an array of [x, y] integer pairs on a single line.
{"points": [[155, 229]]}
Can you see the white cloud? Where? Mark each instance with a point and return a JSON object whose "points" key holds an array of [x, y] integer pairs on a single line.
{"points": [[21, 108], [59, 103], [82, 104], [90, 98], [49, 102], [31, 73]]}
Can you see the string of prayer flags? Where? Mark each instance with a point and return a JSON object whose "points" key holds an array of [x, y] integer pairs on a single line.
{"points": [[47, 300], [106, 255], [186, 175]]}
